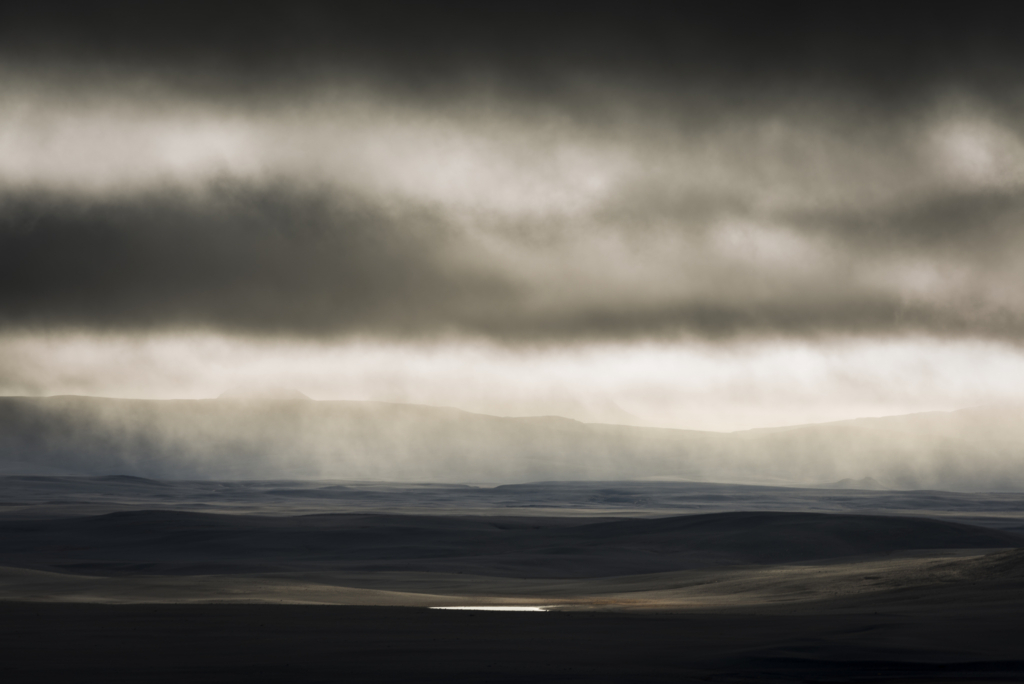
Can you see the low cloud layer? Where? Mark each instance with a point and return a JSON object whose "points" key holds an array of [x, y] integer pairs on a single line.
{"points": [[412, 176], [681, 383], [356, 214]]}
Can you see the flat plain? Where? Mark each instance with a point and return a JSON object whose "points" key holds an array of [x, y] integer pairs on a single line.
{"points": [[128, 579]]}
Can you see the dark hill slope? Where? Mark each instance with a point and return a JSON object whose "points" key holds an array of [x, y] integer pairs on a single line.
{"points": [[165, 542], [770, 537]]}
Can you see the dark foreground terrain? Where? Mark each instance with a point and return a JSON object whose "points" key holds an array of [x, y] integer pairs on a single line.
{"points": [[120, 579], [63, 642]]}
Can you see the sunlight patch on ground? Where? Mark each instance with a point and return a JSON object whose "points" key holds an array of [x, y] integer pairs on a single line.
{"points": [[522, 609]]}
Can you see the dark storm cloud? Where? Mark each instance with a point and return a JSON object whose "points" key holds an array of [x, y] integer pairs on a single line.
{"points": [[890, 50], [983, 225], [520, 171], [270, 260], [258, 260]]}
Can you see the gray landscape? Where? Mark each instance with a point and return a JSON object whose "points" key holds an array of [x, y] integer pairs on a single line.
{"points": [[511, 342], [797, 573]]}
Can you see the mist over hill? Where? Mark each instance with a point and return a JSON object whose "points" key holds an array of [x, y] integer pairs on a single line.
{"points": [[257, 438]]}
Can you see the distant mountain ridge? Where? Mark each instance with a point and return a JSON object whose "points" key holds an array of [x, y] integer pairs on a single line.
{"points": [[850, 483], [972, 449], [272, 393]]}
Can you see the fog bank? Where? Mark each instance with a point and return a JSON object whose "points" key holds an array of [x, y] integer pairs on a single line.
{"points": [[976, 449]]}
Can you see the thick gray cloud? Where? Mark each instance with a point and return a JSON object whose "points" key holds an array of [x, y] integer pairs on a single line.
{"points": [[262, 260], [887, 51], [270, 260], [528, 174]]}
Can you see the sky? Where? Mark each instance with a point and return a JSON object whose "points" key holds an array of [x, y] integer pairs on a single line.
{"points": [[721, 216]]}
